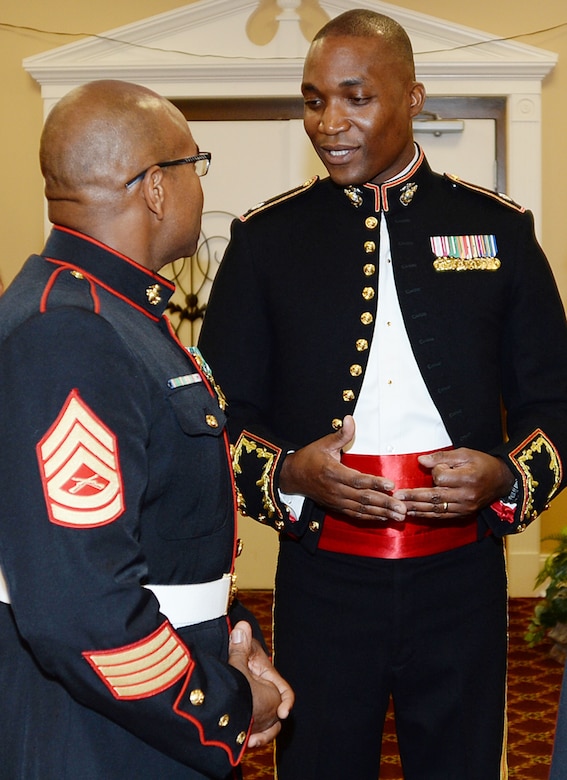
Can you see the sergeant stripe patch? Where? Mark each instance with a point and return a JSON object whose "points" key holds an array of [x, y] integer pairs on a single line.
{"points": [[80, 470], [145, 668]]}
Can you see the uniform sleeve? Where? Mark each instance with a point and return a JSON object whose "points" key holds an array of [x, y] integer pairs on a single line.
{"points": [[237, 341], [76, 420], [534, 381]]}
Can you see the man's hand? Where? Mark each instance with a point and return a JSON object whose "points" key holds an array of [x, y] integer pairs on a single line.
{"points": [[272, 697], [315, 471], [464, 481]]}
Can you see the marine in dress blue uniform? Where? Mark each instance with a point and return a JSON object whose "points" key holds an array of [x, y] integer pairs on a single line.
{"points": [[391, 577], [288, 332], [120, 656], [106, 488]]}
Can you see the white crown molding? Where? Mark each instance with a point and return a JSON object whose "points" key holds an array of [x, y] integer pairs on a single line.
{"points": [[202, 50], [206, 43]]}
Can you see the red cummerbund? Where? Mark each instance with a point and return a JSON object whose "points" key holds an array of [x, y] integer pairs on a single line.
{"points": [[387, 539]]}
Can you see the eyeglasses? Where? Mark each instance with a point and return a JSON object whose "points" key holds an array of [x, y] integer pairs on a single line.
{"points": [[201, 161]]}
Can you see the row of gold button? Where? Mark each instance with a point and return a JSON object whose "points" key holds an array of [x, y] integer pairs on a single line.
{"points": [[197, 698], [366, 318]]}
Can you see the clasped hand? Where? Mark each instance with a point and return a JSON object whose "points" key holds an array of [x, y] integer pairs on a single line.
{"points": [[272, 697], [464, 481]]}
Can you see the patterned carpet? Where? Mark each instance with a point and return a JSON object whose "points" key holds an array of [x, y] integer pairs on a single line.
{"points": [[534, 681]]}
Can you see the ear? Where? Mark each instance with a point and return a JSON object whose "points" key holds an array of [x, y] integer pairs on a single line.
{"points": [[153, 191], [417, 98]]}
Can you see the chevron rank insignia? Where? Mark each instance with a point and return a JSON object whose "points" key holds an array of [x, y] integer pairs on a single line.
{"points": [[80, 471]]}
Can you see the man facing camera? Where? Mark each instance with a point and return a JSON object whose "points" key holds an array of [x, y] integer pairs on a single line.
{"points": [[393, 349]]}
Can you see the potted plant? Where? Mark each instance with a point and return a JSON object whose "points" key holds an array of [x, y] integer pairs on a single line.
{"points": [[550, 613]]}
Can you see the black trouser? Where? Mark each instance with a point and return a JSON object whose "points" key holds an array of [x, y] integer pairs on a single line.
{"points": [[559, 759], [431, 632]]}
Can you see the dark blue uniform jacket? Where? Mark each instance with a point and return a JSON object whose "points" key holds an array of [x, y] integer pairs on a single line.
{"points": [[291, 319], [112, 477]]}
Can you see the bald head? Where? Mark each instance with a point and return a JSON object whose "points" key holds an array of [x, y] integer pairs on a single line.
{"points": [[363, 23], [100, 135]]}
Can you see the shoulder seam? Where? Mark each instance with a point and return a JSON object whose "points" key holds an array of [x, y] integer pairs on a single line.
{"points": [[505, 200], [266, 204]]}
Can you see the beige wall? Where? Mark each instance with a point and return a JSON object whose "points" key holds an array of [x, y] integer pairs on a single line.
{"points": [[21, 204]]}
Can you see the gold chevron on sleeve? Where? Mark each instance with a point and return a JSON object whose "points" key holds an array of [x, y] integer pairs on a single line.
{"points": [[145, 668]]}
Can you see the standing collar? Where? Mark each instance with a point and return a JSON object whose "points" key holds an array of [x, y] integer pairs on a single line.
{"points": [[396, 193], [121, 276]]}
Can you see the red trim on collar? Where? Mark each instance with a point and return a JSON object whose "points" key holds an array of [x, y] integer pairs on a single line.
{"points": [[381, 190], [93, 280], [152, 274]]}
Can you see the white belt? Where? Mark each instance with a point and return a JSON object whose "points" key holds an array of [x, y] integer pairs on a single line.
{"points": [[185, 605], [4, 595]]}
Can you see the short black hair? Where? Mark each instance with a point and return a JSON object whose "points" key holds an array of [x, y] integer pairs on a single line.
{"points": [[363, 23]]}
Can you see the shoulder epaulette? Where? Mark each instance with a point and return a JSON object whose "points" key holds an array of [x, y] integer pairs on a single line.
{"points": [[266, 204], [497, 196]]}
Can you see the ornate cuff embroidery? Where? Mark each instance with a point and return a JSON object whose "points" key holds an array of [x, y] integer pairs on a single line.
{"points": [[265, 457], [540, 469]]}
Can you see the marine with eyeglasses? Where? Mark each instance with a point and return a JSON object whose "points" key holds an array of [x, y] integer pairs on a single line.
{"points": [[123, 653]]}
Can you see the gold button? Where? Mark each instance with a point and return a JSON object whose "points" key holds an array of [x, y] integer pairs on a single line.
{"points": [[77, 274], [367, 318], [241, 738], [337, 423], [371, 222], [355, 369], [314, 526], [369, 269], [361, 345], [368, 293], [261, 518], [239, 547], [197, 697], [279, 525], [348, 395], [224, 720], [211, 421], [522, 527], [369, 247]]}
